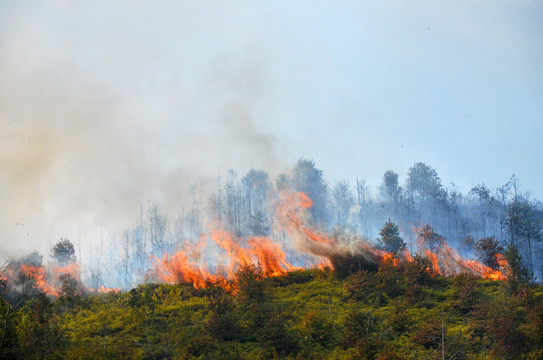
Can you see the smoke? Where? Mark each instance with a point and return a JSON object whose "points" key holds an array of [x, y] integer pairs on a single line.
{"points": [[345, 252], [78, 156]]}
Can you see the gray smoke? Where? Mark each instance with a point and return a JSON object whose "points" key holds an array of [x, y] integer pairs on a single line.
{"points": [[82, 148]]}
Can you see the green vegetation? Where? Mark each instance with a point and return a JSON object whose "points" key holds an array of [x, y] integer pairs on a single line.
{"points": [[394, 313]]}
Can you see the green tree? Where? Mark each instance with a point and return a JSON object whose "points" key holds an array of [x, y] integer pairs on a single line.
{"points": [[466, 293], [63, 252], [518, 275], [39, 333], [9, 344], [271, 329], [223, 322], [390, 238], [361, 332], [319, 329], [250, 283]]}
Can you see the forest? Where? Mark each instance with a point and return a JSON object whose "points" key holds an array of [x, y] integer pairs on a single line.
{"points": [[294, 267], [246, 207]]}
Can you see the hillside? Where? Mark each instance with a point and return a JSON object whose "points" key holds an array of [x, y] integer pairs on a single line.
{"points": [[397, 312]]}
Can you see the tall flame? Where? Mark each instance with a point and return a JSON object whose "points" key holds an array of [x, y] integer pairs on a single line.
{"points": [[38, 274]]}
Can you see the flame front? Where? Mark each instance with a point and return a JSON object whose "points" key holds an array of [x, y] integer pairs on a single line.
{"points": [[216, 257], [314, 247], [38, 274]]}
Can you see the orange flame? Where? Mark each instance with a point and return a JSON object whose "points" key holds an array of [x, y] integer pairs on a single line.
{"points": [[188, 267], [389, 258], [271, 258], [181, 268], [49, 281], [434, 260], [103, 289], [447, 262], [40, 277]]}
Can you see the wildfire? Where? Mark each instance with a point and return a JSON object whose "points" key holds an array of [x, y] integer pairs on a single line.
{"points": [[106, 290], [49, 280], [389, 258], [38, 274], [261, 251], [270, 257], [179, 268], [215, 257], [189, 266], [434, 260]]}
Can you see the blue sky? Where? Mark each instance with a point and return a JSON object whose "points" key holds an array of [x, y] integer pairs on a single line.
{"points": [[108, 105]]}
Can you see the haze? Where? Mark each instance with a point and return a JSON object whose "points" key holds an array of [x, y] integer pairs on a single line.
{"points": [[108, 107]]}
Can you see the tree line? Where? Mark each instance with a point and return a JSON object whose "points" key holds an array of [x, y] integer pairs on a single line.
{"points": [[503, 217], [481, 221]]}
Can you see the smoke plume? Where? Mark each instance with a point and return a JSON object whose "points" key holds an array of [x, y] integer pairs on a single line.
{"points": [[78, 155]]}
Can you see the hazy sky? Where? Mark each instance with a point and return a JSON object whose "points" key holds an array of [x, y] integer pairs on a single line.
{"points": [[109, 105]]}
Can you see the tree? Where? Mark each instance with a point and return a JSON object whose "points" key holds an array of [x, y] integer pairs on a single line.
{"points": [[517, 275], [63, 252], [485, 200], [39, 332], [270, 326], [486, 250], [466, 244], [366, 207], [360, 331], [343, 200], [158, 224], [250, 285], [419, 271], [423, 181], [223, 322], [426, 194], [259, 224], [390, 238], [455, 199], [430, 238], [70, 289], [390, 187], [233, 203], [309, 180], [523, 227], [8, 332], [318, 329], [256, 186], [466, 294], [503, 328]]}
